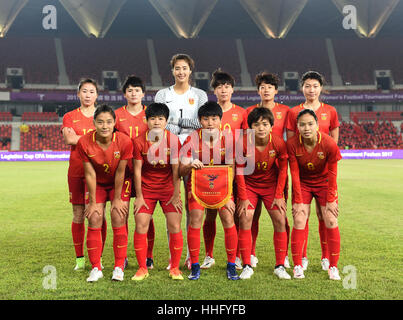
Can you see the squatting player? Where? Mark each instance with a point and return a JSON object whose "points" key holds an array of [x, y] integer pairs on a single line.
{"points": [[156, 177], [201, 145], [266, 183], [105, 154], [313, 158]]}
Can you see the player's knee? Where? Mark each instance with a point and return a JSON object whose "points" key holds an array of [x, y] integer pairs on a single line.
{"points": [[78, 214], [331, 222], [117, 220], [227, 219], [299, 221], [95, 221]]}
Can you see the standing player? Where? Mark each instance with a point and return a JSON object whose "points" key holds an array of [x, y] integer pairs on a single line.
{"points": [[183, 101], [312, 85], [233, 118], [131, 120], [313, 158], [201, 146], [156, 168], [105, 154], [267, 87], [266, 183], [77, 123]]}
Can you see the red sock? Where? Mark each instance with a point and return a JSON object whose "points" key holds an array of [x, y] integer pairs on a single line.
{"points": [[280, 246], [150, 239], [333, 240], [238, 246], [323, 239], [306, 239], [231, 242], [255, 232], [120, 245], [209, 233], [175, 248], [140, 247], [104, 229], [245, 243], [297, 244], [78, 233], [287, 229], [193, 238], [94, 246]]}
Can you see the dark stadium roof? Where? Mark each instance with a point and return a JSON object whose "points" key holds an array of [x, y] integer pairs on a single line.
{"points": [[138, 18]]}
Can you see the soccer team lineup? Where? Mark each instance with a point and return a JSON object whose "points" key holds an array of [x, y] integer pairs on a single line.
{"points": [[229, 161]]}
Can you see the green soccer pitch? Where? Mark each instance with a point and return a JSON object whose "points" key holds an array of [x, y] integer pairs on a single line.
{"points": [[37, 254]]}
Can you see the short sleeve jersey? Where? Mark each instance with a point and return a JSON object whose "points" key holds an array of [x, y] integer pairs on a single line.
{"points": [[156, 171], [105, 162], [233, 119], [327, 118], [313, 166], [266, 168], [81, 125], [280, 113], [182, 106], [132, 126]]}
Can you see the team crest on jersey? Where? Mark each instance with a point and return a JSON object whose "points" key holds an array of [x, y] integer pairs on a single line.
{"points": [[144, 119], [321, 155], [323, 116], [222, 151], [234, 117], [167, 151], [279, 115], [116, 154], [272, 153], [191, 101]]}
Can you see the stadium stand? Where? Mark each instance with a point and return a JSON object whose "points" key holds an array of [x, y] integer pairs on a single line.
{"points": [[6, 116], [42, 137], [372, 116], [278, 56], [83, 58], [354, 55], [369, 135], [39, 63], [5, 136], [40, 116]]}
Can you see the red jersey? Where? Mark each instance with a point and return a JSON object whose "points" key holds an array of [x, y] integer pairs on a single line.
{"points": [[311, 168], [105, 162], [222, 153], [280, 113], [132, 126], [234, 118], [267, 162], [327, 118], [156, 172], [81, 125]]}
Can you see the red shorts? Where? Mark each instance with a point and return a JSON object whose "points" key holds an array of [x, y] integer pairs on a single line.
{"points": [[317, 192], [194, 205], [151, 199], [266, 195], [76, 190], [107, 193]]}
